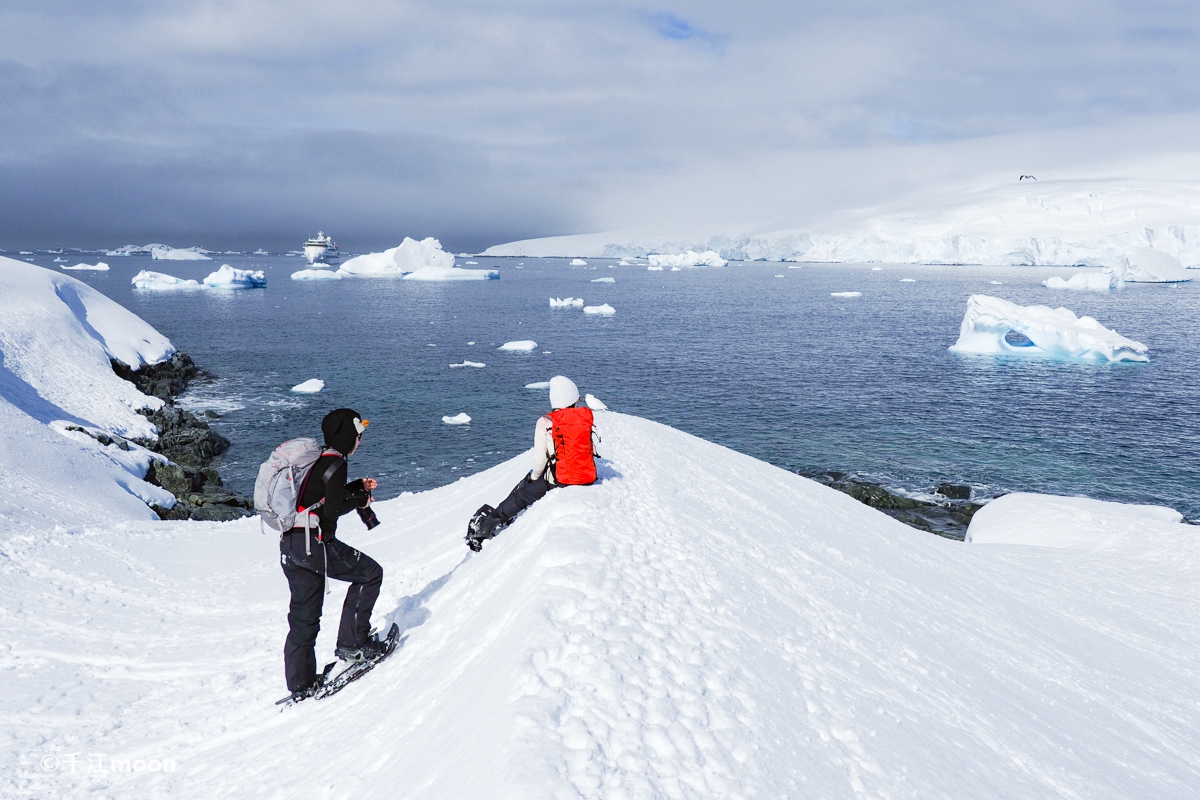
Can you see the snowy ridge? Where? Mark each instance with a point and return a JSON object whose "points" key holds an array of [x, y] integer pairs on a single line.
{"points": [[696, 624], [1084, 218]]}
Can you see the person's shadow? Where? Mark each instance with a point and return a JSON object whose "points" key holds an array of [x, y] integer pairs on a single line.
{"points": [[411, 612]]}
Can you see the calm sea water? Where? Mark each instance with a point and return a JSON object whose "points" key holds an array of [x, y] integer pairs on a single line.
{"points": [[757, 357]]}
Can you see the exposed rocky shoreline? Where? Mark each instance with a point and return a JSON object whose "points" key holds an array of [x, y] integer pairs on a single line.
{"points": [[949, 517], [188, 441]]}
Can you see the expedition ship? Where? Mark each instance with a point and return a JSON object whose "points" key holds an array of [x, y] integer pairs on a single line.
{"points": [[322, 248]]}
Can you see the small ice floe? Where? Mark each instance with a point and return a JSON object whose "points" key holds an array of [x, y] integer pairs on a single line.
{"points": [[779, 276], [1144, 265], [676, 269], [997, 283], [709, 258], [654, 269], [453, 274], [578, 262], [310, 386], [607, 279], [316, 275], [99, 266], [161, 252], [623, 263], [604, 310], [521, 346], [845, 294], [472, 262], [457, 419], [24, 253], [228, 277], [470, 344], [60, 261], [538, 385], [260, 252], [476, 364], [876, 269], [161, 282], [1101, 281], [795, 266], [594, 403], [569, 302], [908, 280], [992, 325]]}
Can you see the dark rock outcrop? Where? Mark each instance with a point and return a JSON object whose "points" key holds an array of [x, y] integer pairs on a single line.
{"points": [[949, 518], [187, 441]]}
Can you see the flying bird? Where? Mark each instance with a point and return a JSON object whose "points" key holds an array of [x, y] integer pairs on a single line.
{"points": [[1025, 177]]}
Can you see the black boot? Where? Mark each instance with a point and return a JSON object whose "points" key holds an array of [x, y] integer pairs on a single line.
{"points": [[482, 526]]}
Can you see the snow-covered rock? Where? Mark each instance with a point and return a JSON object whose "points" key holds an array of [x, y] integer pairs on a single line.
{"points": [[457, 419], [1145, 265], [149, 281], [99, 266], [1054, 521], [310, 386], [161, 252], [578, 262], [520, 346], [568, 302], [316, 275], [1100, 281], [689, 258], [695, 624], [993, 325], [604, 310], [228, 277], [406, 257], [604, 280]]}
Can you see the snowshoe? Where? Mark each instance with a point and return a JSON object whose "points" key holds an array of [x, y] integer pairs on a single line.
{"points": [[304, 694], [483, 526], [327, 686]]}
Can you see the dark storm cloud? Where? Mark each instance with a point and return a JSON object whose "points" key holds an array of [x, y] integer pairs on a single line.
{"points": [[245, 123]]}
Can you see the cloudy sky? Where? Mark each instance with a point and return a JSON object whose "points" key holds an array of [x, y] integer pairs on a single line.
{"points": [[247, 123]]}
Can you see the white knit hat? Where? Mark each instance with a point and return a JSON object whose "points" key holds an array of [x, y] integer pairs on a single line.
{"points": [[563, 392]]}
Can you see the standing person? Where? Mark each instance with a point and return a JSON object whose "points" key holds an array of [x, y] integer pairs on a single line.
{"points": [[563, 455], [307, 563]]}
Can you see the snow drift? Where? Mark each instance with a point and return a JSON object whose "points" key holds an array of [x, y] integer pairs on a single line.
{"points": [[992, 325], [696, 624]]}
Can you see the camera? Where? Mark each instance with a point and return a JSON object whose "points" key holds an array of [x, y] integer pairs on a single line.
{"points": [[367, 515]]}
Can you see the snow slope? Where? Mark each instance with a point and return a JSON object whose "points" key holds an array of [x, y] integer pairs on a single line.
{"points": [[697, 624]]}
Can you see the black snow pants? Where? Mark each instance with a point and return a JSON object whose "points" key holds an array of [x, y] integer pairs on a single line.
{"points": [[523, 495], [305, 575]]}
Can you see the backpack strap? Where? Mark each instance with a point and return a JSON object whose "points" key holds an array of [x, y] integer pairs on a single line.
{"points": [[332, 468]]}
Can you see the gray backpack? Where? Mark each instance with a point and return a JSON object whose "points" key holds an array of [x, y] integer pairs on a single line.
{"points": [[281, 481]]}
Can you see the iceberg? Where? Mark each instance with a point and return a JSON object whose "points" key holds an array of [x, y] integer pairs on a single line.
{"points": [[1068, 522], [993, 325], [403, 259], [908, 280], [316, 275], [161, 252], [1100, 281], [845, 294], [594, 403], [570, 302], [691, 258], [608, 279], [228, 277], [457, 419], [161, 282], [1145, 265], [99, 266], [578, 262], [475, 364], [453, 274], [521, 346], [604, 310], [310, 386], [654, 269]]}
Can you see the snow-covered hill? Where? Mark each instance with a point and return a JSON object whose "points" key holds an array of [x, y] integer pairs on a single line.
{"points": [[697, 624], [1080, 216]]}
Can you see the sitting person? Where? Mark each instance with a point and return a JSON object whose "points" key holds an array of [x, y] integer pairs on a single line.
{"points": [[563, 455]]}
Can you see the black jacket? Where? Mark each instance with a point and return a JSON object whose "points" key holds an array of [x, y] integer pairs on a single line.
{"points": [[340, 497]]}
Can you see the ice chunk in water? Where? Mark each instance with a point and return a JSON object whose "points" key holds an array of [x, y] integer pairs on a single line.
{"points": [[316, 275], [310, 386], [570, 302], [604, 310], [457, 419], [608, 279], [160, 282], [228, 277], [520, 346], [845, 294]]}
